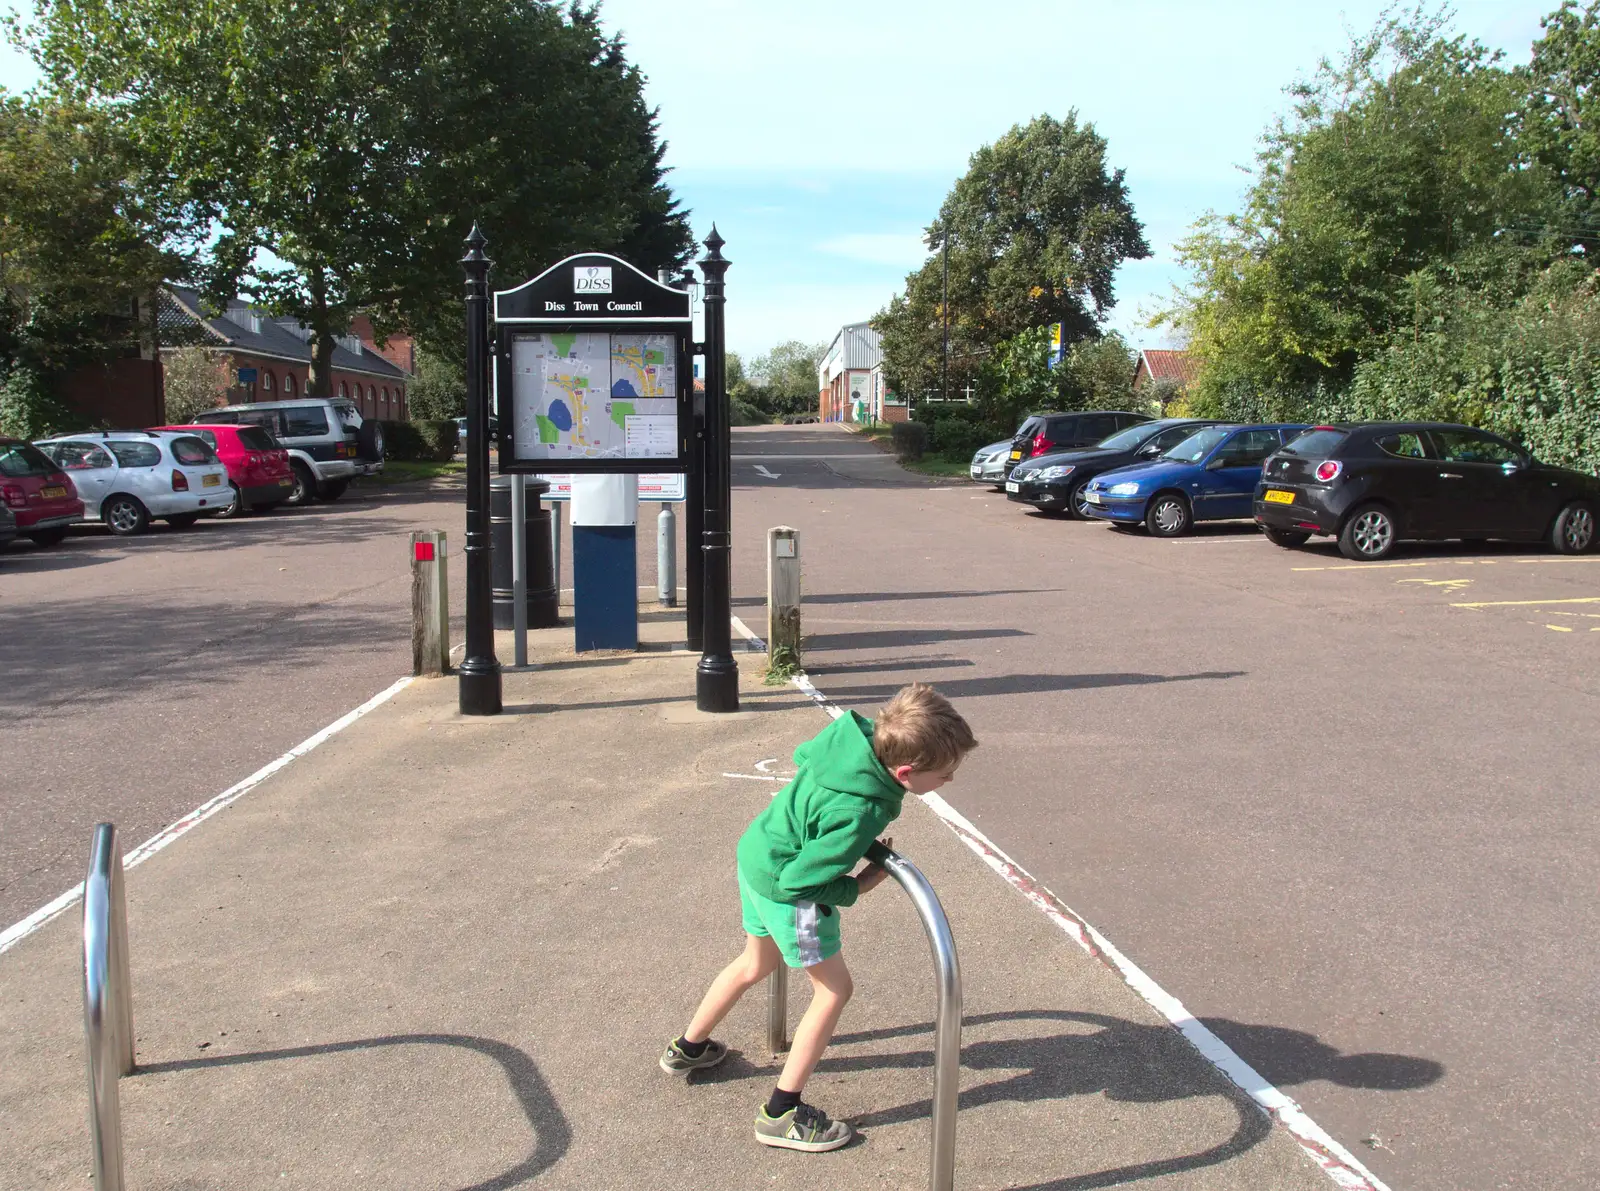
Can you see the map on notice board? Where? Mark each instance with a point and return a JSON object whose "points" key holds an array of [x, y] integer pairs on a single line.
{"points": [[595, 395]]}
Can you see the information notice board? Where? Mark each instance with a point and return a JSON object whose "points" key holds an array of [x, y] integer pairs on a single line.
{"points": [[593, 371]]}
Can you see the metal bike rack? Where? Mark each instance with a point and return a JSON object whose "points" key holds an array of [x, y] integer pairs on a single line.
{"points": [[947, 1018], [107, 1003]]}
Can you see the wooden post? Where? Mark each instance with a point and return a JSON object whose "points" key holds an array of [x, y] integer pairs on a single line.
{"points": [[783, 598], [430, 603]]}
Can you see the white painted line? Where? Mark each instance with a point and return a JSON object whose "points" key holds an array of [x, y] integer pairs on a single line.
{"points": [[1343, 1167], [756, 777], [15, 933], [771, 475], [752, 643]]}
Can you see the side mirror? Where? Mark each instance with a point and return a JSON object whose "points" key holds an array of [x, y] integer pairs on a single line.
{"points": [[1150, 449], [1218, 462]]}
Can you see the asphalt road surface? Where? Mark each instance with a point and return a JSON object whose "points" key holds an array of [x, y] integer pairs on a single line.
{"points": [[1344, 812], [142, 676]]}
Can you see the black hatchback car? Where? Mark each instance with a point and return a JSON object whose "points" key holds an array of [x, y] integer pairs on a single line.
{"points": [[1373, 484], [1041, 434], [1055, 483]]}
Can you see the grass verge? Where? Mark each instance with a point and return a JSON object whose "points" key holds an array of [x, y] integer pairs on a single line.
{"points": [[405, 471]]}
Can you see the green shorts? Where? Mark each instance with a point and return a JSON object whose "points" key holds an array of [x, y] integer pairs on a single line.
{"points": [[805, 932]]}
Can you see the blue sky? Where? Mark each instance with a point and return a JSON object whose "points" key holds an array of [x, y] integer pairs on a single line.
{"points": [[822, 137]]}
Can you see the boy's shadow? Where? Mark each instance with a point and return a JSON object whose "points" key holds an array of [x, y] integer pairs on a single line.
{"points": [[1123, 1060]]}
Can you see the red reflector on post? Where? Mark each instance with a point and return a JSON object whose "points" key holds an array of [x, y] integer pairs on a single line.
{"points": [[424, 551]]}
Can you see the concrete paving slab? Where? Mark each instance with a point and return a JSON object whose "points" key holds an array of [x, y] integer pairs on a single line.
{"points": [[441, 952]]}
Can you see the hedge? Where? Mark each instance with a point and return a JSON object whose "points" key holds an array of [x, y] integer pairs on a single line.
{"points": [[420, 441]]}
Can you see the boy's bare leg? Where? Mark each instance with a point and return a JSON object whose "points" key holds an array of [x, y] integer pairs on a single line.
{"points": [[831, 987], [760, 956]]}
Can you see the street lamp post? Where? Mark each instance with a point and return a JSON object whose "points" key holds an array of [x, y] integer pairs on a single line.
{"points": [[717, 676], [944, 312], [480, 670], [694, 512]]}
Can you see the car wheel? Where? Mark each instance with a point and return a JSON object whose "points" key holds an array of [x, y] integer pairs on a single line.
{"points": [[1287, 538], [304, 490], [1168, 516], [1573, 532], [369, 440], [234, 508], [1369, 534], [125, 516], [1080, 506], [333, 489], [182, 520]]}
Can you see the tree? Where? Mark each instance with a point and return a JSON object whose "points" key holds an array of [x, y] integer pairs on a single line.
{"points": [[1396, 160], [1035, 230], [439, 389], [783, 381], [83, 241], [1558, 125], [1098, 374], [194, 380], [342, 148]]}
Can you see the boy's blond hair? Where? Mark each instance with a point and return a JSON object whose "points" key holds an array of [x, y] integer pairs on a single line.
{"points": [[920, 728]]}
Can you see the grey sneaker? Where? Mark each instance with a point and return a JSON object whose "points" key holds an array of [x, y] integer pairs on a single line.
{"points": [[802, 1128], [675, 1062]]}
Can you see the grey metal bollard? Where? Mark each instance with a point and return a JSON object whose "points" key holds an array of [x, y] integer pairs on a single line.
{"points": [[667, 557], [107, 1003], [947, 1016], [519, 570]]}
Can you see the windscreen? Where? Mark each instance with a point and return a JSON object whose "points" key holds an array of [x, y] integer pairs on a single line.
{"points": [[254, 438], [192, 451], [1198, 445], [24, 459], [1126, 440], [1316, 444]]}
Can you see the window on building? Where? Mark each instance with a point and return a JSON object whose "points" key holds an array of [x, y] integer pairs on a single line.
{"points": [[266, 383], [372, 395], [385, 396], [289, 385], [344, 391]]}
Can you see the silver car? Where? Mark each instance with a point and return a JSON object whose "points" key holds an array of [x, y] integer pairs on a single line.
{"points": [[989, 464], [126, 478]]}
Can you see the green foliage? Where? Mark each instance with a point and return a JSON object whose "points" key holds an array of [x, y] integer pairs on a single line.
{"points": [[742, 413], [30, 408], [783, 665], [1016, 380], [421, 441], [910, 439], [1036, 229], [1558, 127], [1098, 374], [194, 381], [355, 140], [1394, 161], [781, 382], [956, 431], [439, 389]]}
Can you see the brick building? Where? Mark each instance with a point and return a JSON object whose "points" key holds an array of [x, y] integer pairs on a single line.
{"points": [[271, 358]]}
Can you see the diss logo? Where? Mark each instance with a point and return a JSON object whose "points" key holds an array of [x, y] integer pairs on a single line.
{"points": [[591, 279]]}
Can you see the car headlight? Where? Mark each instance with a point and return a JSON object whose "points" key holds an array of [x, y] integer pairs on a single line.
{"points": [[1131, 488], [1019, 474], [1054, 473]]}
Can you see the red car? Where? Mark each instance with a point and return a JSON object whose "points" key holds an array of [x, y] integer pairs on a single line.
{"points": [[37, 492], [258, 468]]}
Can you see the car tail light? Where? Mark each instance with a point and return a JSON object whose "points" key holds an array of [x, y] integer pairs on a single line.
{"points": [[180, 482], [1329, 469], [252, 460], [1041, 444], [14, 495]]}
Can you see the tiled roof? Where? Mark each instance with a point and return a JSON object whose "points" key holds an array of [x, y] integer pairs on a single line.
{"points": [[247, 329], [1170, 365]]}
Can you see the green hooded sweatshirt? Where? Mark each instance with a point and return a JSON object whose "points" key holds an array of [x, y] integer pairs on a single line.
{"points": [[803, 846]]}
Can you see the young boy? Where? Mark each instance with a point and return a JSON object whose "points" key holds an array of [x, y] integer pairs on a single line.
{"points": [[794, 875]]}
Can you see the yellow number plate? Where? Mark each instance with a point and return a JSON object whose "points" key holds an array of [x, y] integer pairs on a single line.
{"points": [[1274, 497], [1016, 454], [54, 492], [211, 481]]}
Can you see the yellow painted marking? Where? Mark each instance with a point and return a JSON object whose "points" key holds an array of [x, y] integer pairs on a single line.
{"points": [[1558, 628], [1365, 566], [1452, 584], [1442, 562], [1527, 603]]}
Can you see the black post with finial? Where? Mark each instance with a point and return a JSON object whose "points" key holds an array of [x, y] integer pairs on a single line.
{"points": [[717, 677], [694, 515], [479, 670]]}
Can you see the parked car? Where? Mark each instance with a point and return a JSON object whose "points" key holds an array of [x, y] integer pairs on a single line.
{"points": [[1057, 483], [989, 463], [258, 468], [41, 497], [1210, 476], [1042, 434], [328, 441], [1375, 484], [129, 477], [8, 525]]}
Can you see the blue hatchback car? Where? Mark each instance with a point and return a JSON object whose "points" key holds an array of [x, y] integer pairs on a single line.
{"points": [[1209, 476]]}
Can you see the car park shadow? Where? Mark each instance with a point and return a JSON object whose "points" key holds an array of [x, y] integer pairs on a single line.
{"points": [[113, 648], [1030, 684], [552, 1133], [896, 638], [28, 559], [1128, 1062], [875, 597], [312, 525], [1328, 549]]}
